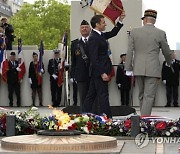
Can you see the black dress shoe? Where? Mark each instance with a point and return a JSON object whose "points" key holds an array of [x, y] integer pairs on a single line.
{"points": [[167, 105], [11, 104], [176, 105]]}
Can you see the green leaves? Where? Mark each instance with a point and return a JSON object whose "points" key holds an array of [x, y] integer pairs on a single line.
{"points": [[46, 20]]}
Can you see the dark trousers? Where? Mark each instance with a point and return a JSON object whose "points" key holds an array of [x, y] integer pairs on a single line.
{"points": [[83, 90], [75, 93], [11, 89], [9, 45], [39, 91], [56, 92], [124, 96], [172, 92], [98, 88]]}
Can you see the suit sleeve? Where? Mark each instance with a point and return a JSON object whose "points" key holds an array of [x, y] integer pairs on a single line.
{"points": [[164, 71], [129, 56], [93, 46], [114, 31], [165, 48], [73, 60], [29, 75], [50, 69]]}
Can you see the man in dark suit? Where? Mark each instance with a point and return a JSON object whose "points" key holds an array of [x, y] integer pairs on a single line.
{"points": [[80, 61], [123, 81], [33, 79], [12, 79], [170, 77], [8, 32], [101, 63], [53, 69]]}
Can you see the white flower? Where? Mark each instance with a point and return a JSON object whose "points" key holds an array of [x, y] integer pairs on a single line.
{"points": [[171, 130], [76, 120], [85, 129], [175, 128], [152, 123], [121, 130], [34, 108], [142, 129], [168, 133]]}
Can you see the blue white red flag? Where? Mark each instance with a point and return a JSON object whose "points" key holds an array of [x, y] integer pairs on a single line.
{"points": [[21, 63], [40, 63], [112, 9], [63, 59], [3, 61]]}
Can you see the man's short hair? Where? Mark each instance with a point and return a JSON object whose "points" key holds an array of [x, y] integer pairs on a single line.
{"points": [[96, 19]]}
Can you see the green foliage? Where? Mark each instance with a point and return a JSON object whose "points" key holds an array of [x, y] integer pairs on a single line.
{"points": [[46, 20]]}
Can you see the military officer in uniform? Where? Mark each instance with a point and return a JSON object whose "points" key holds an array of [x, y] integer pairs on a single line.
{"points": [[12, 80], [170, 78], [53, 69], [142, 59], [80, 61]]}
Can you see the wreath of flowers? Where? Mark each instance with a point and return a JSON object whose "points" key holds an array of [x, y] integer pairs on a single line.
{"points": [[30, 121]]}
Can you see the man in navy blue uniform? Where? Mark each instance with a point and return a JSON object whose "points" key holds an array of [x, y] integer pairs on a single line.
{"points": [[101, 63], [123, 81], [53, 70], [80, 62], [170, 77]]}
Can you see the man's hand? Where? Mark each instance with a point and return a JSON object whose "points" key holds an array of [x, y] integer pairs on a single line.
{"points": [[55, 76], [122, 16], [105, 77], [119, 86], [129, 73], [164, 81], [18, 69], [30, 81]]}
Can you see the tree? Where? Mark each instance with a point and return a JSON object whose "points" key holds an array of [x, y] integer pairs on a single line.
{"points": [[46, 20]]}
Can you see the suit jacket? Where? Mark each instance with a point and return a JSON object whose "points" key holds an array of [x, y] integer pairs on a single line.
{"points": [[144, 46], [98, 51], [12, 73], [53, 67], [79, 68], [122, 78], [33, 73], [171, 77]]}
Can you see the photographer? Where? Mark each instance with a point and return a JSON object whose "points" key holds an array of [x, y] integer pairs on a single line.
{"points": [[8, 32]]}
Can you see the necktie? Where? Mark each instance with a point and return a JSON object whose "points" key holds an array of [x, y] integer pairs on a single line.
{"points": [[85, 40]]}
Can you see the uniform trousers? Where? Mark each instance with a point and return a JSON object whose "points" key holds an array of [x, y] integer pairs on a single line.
{"points": [[11, 89], [55, 93], [172, 92], [147, 92]]}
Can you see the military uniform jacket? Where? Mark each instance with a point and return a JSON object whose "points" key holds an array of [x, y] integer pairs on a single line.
{"points": [[122, 78], [98, 51], [79, 67], [12, 73], [143, 51], [171, 77], [53, 67]]}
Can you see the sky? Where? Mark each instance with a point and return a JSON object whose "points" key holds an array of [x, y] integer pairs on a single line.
{"points": [[167, 18]]}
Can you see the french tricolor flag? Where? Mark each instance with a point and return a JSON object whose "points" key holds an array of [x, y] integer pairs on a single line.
{"points": [[112, 9], [21, 61]]}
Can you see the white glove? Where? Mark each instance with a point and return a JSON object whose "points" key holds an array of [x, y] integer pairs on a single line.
{"points": [[129, 73], [18, 69], [55, 76], [119, 85], [71, 79], [30, 81], [164, 81], [42, 70]]}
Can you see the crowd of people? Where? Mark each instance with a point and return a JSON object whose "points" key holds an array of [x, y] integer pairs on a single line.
{"points": [[91, 67]]}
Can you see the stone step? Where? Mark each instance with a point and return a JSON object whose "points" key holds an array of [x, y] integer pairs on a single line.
{"points": [[26, 47]]}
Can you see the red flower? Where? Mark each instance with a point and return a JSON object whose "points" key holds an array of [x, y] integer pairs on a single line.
{"points": [[89, 125], [73, 127], [161, 125], [127, 123]]}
